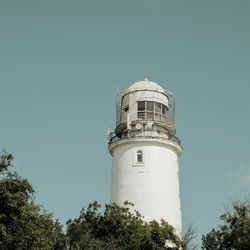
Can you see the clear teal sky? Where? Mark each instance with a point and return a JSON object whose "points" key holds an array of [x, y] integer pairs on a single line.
{"points": [[61, 63]]}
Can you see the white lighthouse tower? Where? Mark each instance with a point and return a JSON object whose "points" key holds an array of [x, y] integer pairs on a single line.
{"points": [[145, 153]]}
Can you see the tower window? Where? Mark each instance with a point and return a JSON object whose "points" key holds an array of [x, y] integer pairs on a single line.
{"points": [[139, 156], [164, 109], [158, 107], [141, 106], [150, 106], [141, 115]]}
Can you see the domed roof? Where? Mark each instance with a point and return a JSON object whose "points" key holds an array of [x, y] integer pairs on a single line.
{"points": [[144, 85]]}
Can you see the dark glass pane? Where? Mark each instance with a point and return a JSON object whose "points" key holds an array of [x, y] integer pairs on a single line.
{"points": [[158, 107], [164, 118], [164, 110], [150, 115], [139, 156], [141, 106], [150, 106], [141, 115], [157, 117]]}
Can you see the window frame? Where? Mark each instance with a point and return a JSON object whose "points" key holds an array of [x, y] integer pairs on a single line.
{"points": [[139, 156], [151, 115], [136, 162]]}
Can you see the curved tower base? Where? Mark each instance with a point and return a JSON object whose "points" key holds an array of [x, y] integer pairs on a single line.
{"points": [[152, 184]]}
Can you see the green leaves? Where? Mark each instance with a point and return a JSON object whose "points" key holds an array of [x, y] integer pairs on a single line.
{"points": [[24, 225], [118, 228], [5, 161], [234, 233]]}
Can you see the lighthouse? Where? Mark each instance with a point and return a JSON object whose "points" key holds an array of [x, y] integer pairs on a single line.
{"points": [[145, 153]]}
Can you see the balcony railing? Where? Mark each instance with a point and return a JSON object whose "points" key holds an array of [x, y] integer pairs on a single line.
{"points": [[115, 138]]}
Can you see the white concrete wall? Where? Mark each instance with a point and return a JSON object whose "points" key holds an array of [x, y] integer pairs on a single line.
{"points": [[153, 186]]}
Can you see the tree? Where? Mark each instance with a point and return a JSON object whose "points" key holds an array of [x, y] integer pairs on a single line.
{"points": [[188, 238], [234, 233], [24, 225], [118, 228]]}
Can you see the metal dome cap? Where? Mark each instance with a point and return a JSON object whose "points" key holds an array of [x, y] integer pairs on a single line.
{"points": [[144, 85]]}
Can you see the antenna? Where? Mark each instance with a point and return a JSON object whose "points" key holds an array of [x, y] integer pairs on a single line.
{"points": [[146, 72]]}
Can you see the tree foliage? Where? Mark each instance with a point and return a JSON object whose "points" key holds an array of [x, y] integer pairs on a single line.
{"points": [[188, 238], [118, 228], [234, 233], [24, 225]]}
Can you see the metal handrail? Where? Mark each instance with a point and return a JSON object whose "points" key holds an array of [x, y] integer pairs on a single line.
{"points": [[116, 138]]}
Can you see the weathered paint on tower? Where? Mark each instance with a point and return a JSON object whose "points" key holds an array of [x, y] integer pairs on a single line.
{"points": [[145, 153]]}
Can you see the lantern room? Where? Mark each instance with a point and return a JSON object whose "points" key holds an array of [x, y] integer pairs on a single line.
{"points": [[145, 106]]}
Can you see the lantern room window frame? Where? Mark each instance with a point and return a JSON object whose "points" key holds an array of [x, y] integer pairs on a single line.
{"points": [[151, 111]]}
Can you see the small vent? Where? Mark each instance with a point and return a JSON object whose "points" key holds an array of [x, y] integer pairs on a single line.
{"points": [[126, 108]]}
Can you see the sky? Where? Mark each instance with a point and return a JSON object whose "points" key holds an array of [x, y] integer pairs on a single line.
{"points": [[61, 63]]}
